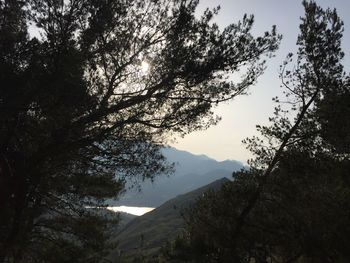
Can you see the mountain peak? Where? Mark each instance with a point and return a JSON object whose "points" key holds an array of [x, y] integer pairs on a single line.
{"points": [[191, 172]]}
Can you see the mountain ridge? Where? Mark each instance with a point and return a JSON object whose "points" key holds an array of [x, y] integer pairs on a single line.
{"points": [[191, 172]]}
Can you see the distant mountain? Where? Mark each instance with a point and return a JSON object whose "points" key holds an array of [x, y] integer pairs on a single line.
{"points": [[197, 164], [150, 232], [191, 172]]}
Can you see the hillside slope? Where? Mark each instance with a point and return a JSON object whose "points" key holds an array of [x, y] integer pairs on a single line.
{"points": [[150, 231]]}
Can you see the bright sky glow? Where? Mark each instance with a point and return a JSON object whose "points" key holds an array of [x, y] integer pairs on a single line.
{"points": [[145, 66], [240, 116], [137, 211]]}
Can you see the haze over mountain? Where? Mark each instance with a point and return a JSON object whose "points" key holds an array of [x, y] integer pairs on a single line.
{"points": [[191, 172]]}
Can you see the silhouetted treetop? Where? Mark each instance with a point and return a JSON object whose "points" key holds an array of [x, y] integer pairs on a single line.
{"points": [[292, 205], [90, 89]]}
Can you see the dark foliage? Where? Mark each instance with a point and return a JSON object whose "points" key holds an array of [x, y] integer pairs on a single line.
{"points": [[78, 112], [293, 204]]}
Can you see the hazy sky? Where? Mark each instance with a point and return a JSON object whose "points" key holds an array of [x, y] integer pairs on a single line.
{"points": [[240, 116]]}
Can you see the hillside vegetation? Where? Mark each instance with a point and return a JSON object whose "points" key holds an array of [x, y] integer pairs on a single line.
{"points": [[145, 235]]}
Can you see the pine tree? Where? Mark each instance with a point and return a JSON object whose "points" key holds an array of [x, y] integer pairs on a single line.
{"points": [[292, 205], [90, 90]]}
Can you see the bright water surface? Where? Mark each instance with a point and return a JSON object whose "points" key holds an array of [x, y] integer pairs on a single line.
{"points": [[138, 211]]}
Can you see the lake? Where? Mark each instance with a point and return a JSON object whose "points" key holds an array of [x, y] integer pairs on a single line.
{"points": [[134, 210]]}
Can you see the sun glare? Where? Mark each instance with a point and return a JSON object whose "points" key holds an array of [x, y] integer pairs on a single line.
{"points": [[145, 66]]}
